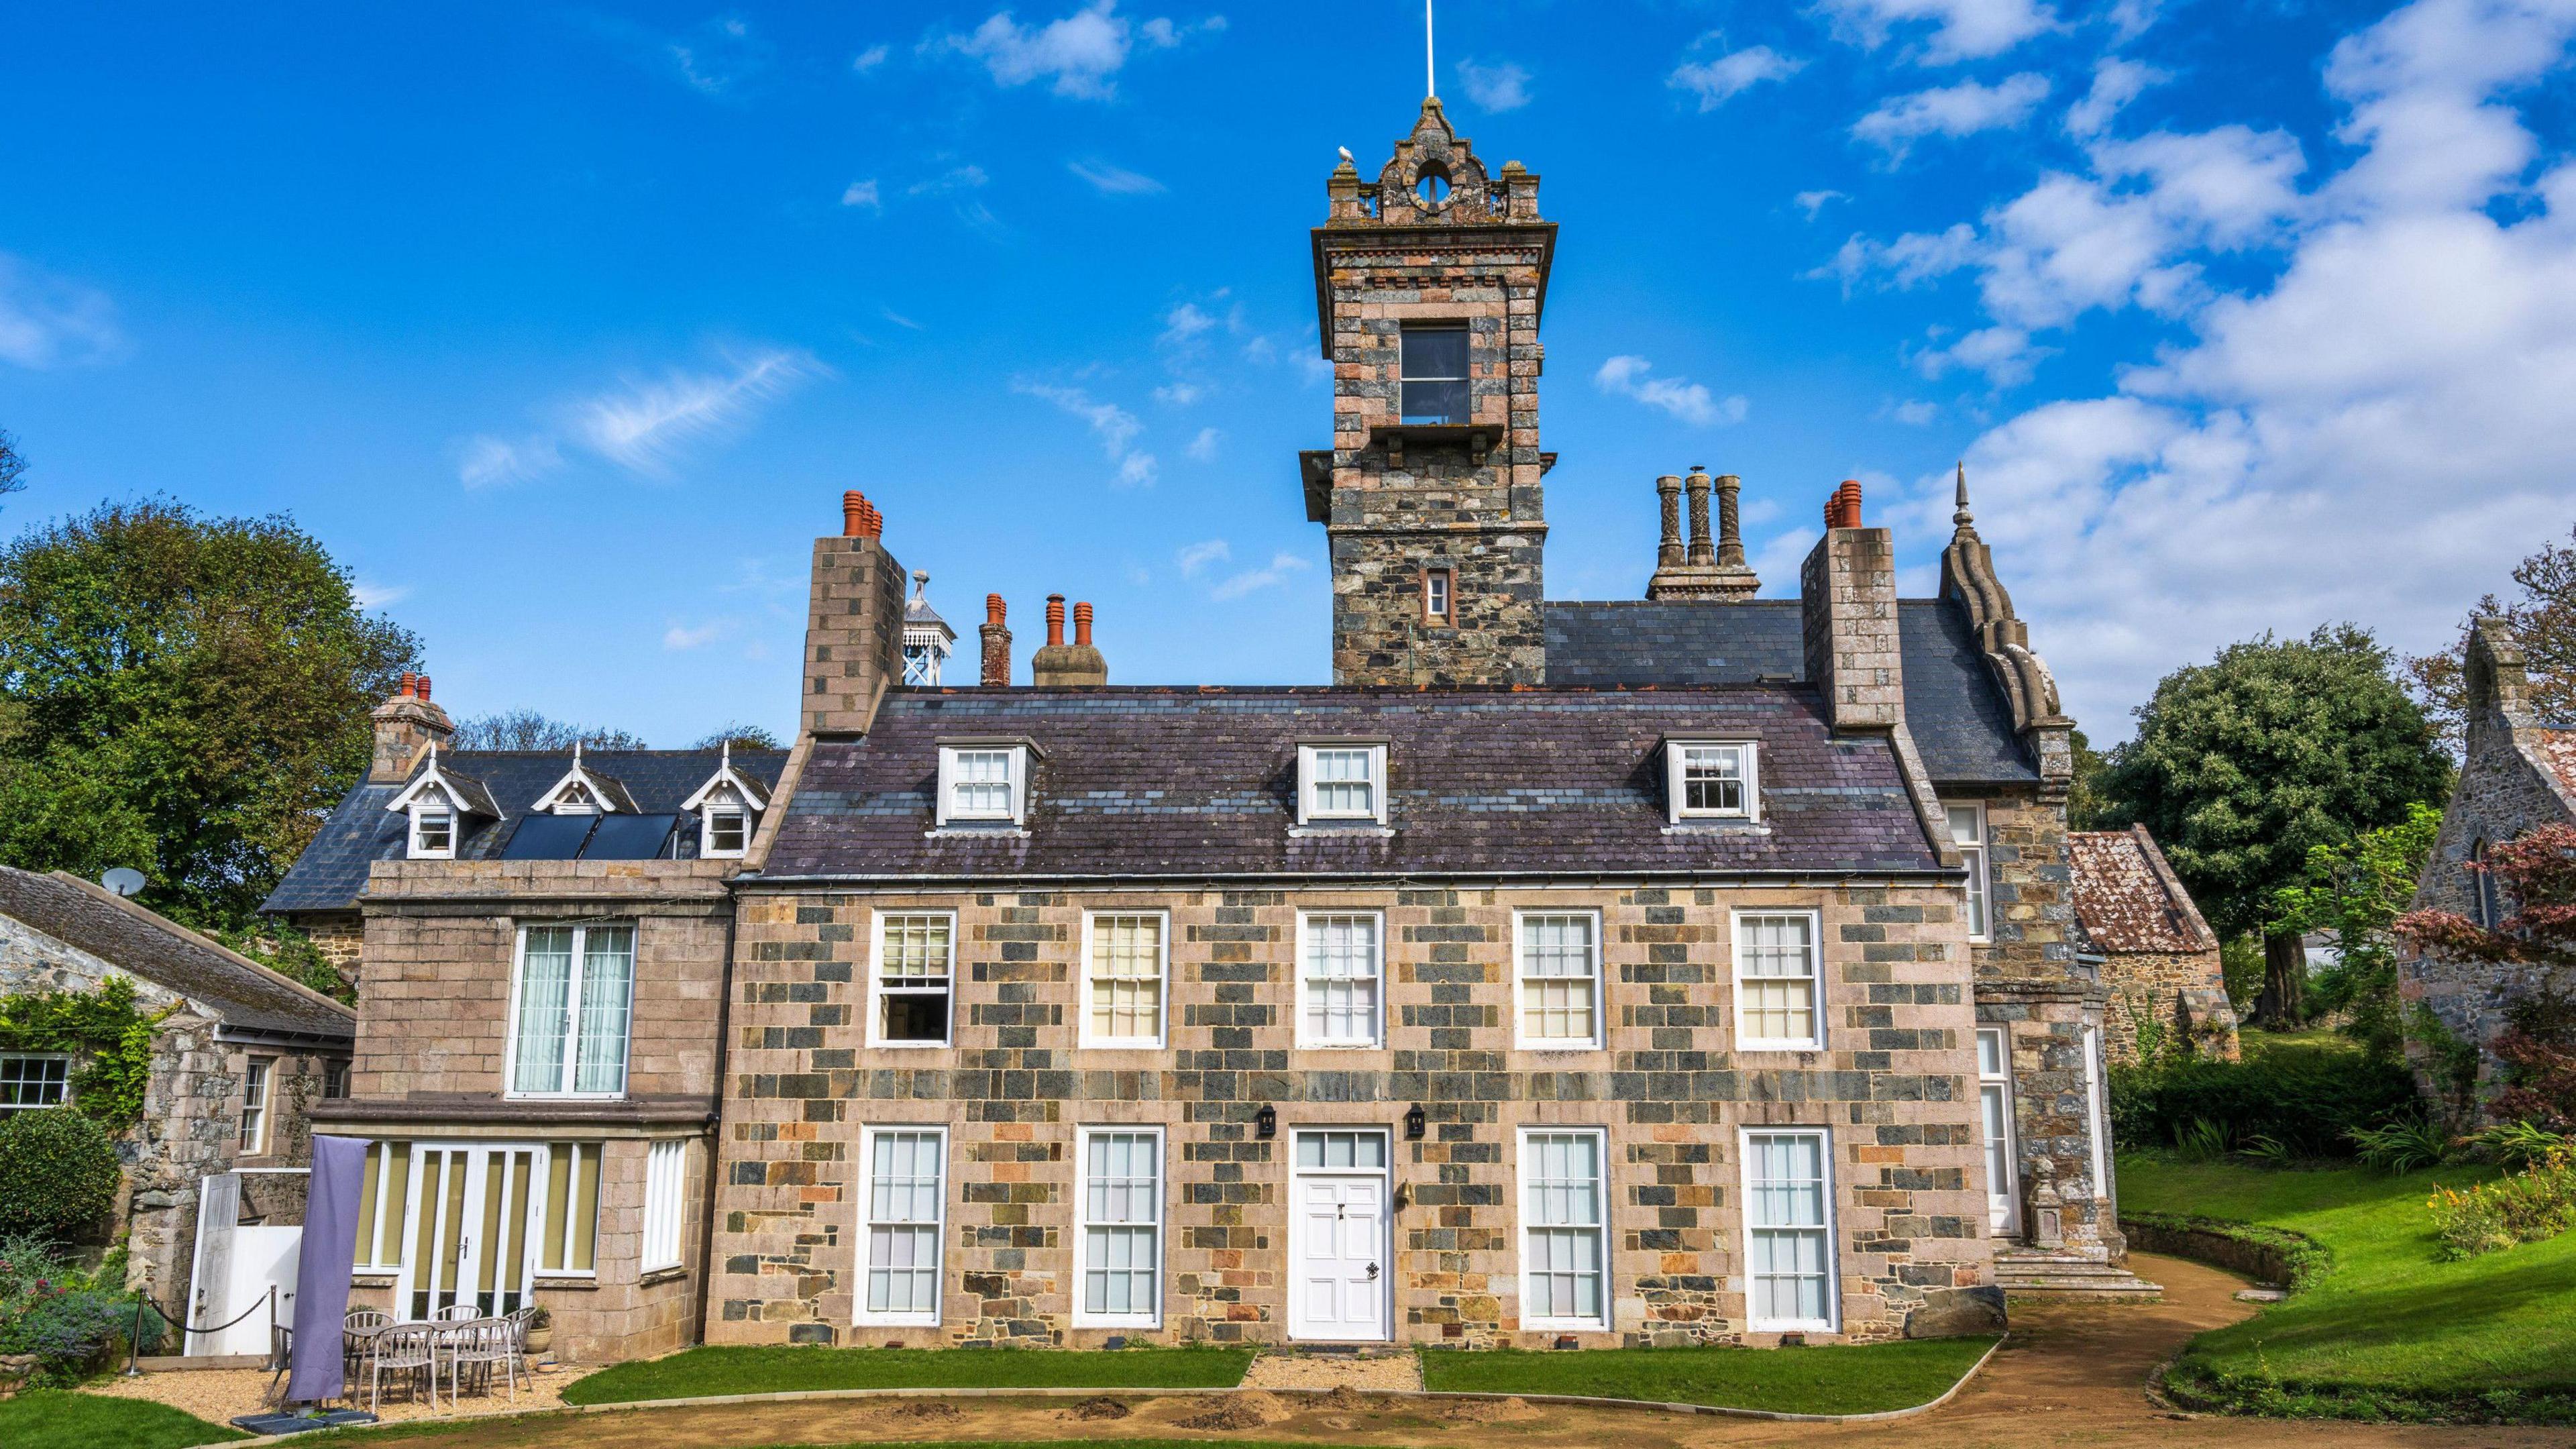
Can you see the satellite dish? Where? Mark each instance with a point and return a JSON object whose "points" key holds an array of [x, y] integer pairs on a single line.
{"points": [[125, 880]]}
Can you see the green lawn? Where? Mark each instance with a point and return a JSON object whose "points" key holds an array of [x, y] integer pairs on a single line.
{"points": [[57, 1419], [700, 1372], [2389, 1332], [2253, 1042], [1856, 1379]]}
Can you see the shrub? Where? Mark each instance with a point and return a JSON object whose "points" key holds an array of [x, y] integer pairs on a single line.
{"points": [[69, 1319], [2522, 1207], [58, 1173], [2520, 1144], [2306, 1100], [2402, 1146]]}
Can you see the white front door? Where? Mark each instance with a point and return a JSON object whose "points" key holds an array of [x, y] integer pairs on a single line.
{"points": [[1339, 1267], [465, 1229]]}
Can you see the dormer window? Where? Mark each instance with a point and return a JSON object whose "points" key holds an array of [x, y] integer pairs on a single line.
{"points": [[576, 799], [1435, 373], [1341, 783], [727, 833], [983, 783], [433, 830], [1711, 780]]}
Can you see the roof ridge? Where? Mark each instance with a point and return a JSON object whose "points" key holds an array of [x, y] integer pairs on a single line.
{"points": [[158, 921]]}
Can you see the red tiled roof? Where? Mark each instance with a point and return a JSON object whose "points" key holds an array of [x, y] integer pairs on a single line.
{"points": [[2127, 898]]}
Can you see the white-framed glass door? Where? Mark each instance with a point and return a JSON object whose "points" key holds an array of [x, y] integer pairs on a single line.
{"points": [[1340, 1263], [467, 1223], [1995, 1113]]}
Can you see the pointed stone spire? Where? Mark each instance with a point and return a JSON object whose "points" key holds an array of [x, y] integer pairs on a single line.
{"points": [[1966, 521]]}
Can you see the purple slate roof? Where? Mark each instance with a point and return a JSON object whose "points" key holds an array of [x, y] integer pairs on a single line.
{"points": [[1200, 783]]}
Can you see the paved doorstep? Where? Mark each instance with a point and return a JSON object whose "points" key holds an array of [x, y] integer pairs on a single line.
{"points": [[1378, 1373]]}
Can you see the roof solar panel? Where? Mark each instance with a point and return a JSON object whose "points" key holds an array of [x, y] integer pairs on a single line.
{"points": [[549, 837], [630, 837]]}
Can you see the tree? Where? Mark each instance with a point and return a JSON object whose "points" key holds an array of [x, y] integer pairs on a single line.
{"points": [[2243, 765], [181, 694], [741, 737], [13, 464], [2543, 620], [2355, 891], [2085, 808], [2537, 873], [525, 729]]}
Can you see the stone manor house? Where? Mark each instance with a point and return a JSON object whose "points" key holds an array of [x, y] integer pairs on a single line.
{"points": [[1695, 968]]}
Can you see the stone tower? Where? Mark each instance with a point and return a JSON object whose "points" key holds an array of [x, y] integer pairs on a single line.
{"points": [[1429, 285]]}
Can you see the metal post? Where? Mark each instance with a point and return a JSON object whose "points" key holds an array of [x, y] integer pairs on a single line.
{"points": [[134, 1344]]}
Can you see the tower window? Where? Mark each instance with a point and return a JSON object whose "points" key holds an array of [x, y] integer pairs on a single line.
{"points": [[1435, 374], [1439, 604]]}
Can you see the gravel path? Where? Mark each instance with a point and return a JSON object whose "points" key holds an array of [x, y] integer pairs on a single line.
{"points": [[1378, 1373], [217, 1395]]}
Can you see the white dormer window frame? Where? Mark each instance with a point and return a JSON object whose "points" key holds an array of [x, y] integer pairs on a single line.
{"points": [[433, 828], [724, 828], [1698, 774], [983, 782], [1329, 794], [575, 794]]}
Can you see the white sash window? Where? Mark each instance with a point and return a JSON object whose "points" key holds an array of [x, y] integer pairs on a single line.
{"points": [[906, 1207], [570, 1003], [1564, 1233], [1777, 981], [1121, 1231], [1560, 979], [1341, 987], [1122, 980], [1788, 1221]]}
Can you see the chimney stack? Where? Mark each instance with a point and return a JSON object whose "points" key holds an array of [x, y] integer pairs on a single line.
{"points": [[997, 645], [1703, 554], [853, 624], [1668, 491], [1730, 530], [407, 724], [1060, 664], [1847, 593], [1705, 570]]}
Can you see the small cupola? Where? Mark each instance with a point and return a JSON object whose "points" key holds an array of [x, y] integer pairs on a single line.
{"points": [[728, 807], [927, 639]]}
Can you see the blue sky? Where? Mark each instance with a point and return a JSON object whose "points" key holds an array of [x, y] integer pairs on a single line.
{"points": [[565, 328]]}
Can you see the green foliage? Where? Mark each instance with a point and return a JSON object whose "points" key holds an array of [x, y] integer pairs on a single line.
{"points": [[2530, 1206], [741, 737], [2307, 1100], [2085, 807], [61, 1419], [181, 694], [1868, 1378], [291, 954], [2518, 1145], [2401, 1146], [58, 1173], [2354, 890], [2390, 1331], [770, 1369], [2293, 1260], [2240, 966], [2452, 1061], [13, 464], [104, 1030], [2243, 765], [2542, 617], [70, 1318]]}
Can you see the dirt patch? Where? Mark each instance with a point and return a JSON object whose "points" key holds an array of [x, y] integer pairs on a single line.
{"points": [[1485, 1411], [1251, 1409], [926, 1411], [1096, 1409]]}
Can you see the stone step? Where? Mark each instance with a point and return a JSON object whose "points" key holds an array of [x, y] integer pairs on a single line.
{"points": [[2075, 1279]]}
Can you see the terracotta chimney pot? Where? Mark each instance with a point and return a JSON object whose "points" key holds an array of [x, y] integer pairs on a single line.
{"points": [[1055, 619], [1082, 624]]}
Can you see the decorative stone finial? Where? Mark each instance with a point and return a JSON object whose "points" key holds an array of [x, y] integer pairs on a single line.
{"points": [[1963, 518]]}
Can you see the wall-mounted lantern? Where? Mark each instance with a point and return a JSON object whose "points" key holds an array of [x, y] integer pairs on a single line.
{"points": [[1413, 1123], [1265, 1123]]}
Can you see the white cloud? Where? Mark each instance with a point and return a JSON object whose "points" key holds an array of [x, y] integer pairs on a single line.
{"points": [[1203, 447], [1962, 29], [2373, 431], [51, 321], [1136, 470], [1282, 567], [869, 59], [2006, 355], [900, 320], [1499, 87], [1114, 180], [1718, 81], [1113, 425], [377, 596], [863, 193], [1960, 110], [2116, 82], [485, 461], [1195, 559], [1081, 54], [1691, 402], [1812, 202], [642, 426], [1179, 393], [717, 57], [1914, 412], [1184, 322], [955, 178], [682, 636]]}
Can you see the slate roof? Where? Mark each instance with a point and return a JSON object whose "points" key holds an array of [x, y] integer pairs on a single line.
{"points": [[333, 869], [2127, 897], [247, 995], [1200, 783], [1958, 717]]}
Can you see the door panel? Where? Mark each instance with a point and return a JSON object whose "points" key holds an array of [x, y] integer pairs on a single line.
{"points": [[467, 1227], [1341, 1266]]}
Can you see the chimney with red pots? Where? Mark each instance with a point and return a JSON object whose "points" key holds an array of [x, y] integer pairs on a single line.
{"points": [[1060, 664], [407, 724], [1847, 593], [997, 645], [853, 625]]}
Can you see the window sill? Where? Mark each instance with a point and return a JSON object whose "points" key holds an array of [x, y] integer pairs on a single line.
{"points": [[1558, 1048], [1808, 1047], [1341, 1046], [971, 830], [571, 1285], [655, 1276], [910, 1046], [1124, 1046], [1717, 825], [1343, 829]]}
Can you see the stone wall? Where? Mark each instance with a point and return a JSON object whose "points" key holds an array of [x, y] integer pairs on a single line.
{"points": [[2181, 991], [1894, 1087]]}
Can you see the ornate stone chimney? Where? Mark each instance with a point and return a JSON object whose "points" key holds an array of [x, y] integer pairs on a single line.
{"points": [[997, 644], [407, 725], [1707, 570]]}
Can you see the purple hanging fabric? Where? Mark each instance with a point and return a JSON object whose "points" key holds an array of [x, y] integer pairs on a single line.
{"points": [[322, 1263]]}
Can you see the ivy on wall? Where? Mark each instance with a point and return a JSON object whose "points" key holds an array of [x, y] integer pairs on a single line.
{"points": [[105, 1029]]}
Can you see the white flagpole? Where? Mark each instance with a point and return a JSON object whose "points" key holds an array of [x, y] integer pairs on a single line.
{"points": [[1430, 73]]}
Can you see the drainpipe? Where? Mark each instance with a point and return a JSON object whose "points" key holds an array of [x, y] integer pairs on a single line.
{"points": [[715, 1137]]}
